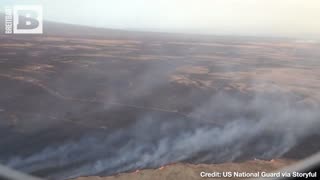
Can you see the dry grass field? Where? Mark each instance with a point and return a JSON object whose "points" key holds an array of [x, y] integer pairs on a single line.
{"points": [[79, 101]]}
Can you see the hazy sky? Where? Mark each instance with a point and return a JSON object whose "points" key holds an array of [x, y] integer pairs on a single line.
{"points": [[237, 17]]}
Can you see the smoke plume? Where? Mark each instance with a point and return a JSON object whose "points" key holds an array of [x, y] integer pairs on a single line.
{"points": [[225, 128]]}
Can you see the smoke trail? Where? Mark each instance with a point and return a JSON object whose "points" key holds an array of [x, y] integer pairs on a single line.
{"points": [[264, 127]]}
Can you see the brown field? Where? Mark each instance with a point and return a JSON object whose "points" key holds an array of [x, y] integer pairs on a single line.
{"points": [[79, 101], [192, 172]]}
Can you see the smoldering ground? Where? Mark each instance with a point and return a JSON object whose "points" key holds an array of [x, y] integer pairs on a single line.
{"points": [[109, 109], [226, 128]]}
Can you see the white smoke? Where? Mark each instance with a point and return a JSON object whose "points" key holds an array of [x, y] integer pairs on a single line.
{"points": [[225, 128]]}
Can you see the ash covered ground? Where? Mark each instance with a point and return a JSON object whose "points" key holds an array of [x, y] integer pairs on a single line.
{"points": [[79, 101]]}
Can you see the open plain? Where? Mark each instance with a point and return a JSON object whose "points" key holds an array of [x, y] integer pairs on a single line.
{"points": [[78, 101]]}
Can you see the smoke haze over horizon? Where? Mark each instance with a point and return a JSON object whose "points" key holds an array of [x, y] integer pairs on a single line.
{"points": [[288, 18]]}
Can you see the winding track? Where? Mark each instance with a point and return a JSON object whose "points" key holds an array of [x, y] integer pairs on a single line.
{"points": [[59, 95]]}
